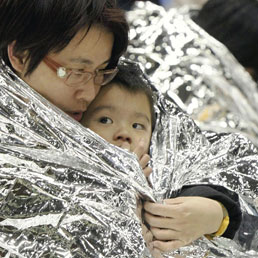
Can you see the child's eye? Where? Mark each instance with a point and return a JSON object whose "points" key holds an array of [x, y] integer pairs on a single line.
{"points": [[138, 126], [105, 120]]}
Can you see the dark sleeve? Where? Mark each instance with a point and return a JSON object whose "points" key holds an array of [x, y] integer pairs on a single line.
{"points": [[228, 198]]}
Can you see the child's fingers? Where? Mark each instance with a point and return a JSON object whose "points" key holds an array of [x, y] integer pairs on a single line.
{"points": [[144, 164], [144, 160], [140, 149], [147, 171]]}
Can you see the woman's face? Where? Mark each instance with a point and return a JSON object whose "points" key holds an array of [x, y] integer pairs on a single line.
{"points": [[84, 53]]}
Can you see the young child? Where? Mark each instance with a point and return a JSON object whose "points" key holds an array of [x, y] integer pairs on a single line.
{"points": [[123, 113]]}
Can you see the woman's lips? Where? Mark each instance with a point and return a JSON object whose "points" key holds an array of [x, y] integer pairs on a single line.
{"points": [[76, 116]]}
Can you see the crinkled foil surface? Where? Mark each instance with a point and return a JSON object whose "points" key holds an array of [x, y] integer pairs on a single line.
{"points": [[65, 192], [195, 73], [196, 70]]}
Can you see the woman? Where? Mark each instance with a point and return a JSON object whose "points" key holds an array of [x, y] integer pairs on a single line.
{"points": [[35, 43]]}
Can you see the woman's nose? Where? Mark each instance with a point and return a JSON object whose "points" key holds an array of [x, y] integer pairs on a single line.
{"points": [[88, 92]]}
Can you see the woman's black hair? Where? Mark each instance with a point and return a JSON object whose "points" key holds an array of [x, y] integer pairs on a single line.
{"points": [[234, 23], [131, 78], [39, 27]]}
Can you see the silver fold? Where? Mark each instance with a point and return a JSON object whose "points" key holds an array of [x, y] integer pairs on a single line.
{"points": [[196, 70], [196, 74], [65, 192]]}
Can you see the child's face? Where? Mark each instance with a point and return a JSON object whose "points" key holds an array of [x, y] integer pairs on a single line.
{"points": [[118, 115]]}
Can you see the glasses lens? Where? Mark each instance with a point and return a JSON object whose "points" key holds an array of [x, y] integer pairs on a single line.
{"points": [[104, 77], [75, 78]]}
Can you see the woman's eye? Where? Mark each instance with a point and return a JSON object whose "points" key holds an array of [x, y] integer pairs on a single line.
{"points": [[76, 75], [138, 126], [105, 120]]}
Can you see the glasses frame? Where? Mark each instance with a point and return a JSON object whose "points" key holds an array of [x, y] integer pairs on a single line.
{"points": [[64, 72]]}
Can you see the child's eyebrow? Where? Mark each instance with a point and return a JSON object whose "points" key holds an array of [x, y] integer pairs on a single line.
{"points": [[104, 107], [142, 115]]}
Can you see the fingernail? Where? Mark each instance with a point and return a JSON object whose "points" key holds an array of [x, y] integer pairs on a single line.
{"points": [[151, 245]]}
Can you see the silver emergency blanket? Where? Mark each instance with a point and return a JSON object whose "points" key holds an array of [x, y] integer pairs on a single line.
{"points": [[199, 75], [65, 192], [196, 70]]}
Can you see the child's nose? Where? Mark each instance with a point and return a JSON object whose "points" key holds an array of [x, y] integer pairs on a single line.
{"points": [[123, 135]]}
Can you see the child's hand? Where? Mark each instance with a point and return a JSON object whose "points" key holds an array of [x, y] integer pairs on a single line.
{"points": [[142, 156], [144, 164], [178, 222]]}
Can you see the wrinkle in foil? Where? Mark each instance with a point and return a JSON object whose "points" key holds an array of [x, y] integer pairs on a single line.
{"points": [[64, 191], [195, 74], [196, 70]]}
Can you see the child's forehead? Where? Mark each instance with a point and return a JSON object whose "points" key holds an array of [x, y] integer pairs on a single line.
{"points": [[113, 96], [117, 88]]}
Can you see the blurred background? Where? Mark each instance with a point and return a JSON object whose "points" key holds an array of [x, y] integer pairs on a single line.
{"points": [[126, 4]]}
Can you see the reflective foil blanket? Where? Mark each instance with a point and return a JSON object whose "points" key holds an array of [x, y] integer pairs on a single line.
{"points": [[195, 73], [65, 192], [196, 70]]}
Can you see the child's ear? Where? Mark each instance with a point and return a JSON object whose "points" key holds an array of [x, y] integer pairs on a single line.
{"points": [[17, 62]]}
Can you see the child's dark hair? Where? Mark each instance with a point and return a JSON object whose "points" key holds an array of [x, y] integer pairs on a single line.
{"points": [[39, 27], [130, 77], [234, 23]]}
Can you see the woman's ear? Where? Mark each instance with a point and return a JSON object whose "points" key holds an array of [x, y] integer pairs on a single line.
{"points": [[17, 62]]}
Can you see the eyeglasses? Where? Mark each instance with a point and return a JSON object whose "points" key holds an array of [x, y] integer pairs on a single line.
{"points": [[75, 77]]}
